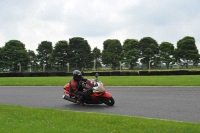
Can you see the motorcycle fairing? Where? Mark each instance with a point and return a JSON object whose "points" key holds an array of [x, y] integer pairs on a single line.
{"points": [[106, 95]]}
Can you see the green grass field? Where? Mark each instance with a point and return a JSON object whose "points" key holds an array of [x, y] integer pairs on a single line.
{"points": [[107, 80], [18, 119]]}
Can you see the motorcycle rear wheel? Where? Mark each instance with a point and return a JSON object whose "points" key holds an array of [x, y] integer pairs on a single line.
{"points": [[109, 101]]}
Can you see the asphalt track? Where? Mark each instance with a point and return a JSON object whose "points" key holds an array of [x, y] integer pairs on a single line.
{"points": [[171, 103]]}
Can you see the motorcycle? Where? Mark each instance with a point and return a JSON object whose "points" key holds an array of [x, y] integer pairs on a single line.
{"points": [[99, 95]]}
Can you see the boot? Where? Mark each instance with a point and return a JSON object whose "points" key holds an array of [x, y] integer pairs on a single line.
{"points": [[80, 100]]}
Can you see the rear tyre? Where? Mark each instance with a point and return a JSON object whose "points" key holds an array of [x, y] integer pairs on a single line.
{"points": [[109, 101]]}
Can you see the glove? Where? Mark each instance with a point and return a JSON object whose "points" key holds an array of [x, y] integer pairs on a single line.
{"points": [[88, 92]]}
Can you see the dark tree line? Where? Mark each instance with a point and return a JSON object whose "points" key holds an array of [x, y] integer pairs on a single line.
{"points": [[77, 54]]}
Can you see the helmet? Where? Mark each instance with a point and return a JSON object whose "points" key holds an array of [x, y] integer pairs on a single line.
{"points": [[77, 75]]}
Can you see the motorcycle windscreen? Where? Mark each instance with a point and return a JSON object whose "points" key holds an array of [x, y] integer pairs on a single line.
{"points": [[99, 87]]}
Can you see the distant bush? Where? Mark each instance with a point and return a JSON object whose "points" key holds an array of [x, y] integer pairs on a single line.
{"points": [[104, 73]]}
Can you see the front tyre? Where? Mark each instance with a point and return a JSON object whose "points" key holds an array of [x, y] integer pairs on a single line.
{"points": [[109, 101]]}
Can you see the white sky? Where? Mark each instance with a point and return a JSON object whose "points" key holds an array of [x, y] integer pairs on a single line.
{"points": [[34, 21]]}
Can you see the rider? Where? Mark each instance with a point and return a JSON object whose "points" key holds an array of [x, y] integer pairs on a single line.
{"points": [[77, 88]]}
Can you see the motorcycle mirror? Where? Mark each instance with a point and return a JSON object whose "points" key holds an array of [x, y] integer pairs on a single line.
{"points": [[96, 75]]}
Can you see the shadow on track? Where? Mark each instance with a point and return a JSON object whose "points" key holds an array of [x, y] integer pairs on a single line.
{"points": [[89, 107]]}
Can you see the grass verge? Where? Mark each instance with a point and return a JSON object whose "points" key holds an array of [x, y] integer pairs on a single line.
{"points": [[18, 119], [189, 80]]}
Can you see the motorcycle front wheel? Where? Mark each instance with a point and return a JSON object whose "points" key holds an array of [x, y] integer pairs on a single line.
{"points": [[109, 101]]}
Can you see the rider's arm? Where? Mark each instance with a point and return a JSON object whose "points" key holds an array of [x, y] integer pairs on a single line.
{"points": [[84, 79]]}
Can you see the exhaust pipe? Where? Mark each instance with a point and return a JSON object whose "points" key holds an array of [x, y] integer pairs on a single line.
{"points": [[69, 98]]}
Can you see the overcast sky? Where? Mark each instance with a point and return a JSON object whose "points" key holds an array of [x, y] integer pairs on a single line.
{"points": [[34, 21]]}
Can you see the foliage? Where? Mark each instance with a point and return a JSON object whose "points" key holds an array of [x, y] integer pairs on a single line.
{"points": [[131, 52], [187, 50], [149, 50], [1, 57], [44, 51], [111, 54], [60, 55], [80, 53], [97, 57], [33, 60], [166, 52], [14, 54]]}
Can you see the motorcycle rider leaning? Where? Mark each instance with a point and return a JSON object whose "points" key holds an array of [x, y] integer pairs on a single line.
{"points": [[77, 88]]}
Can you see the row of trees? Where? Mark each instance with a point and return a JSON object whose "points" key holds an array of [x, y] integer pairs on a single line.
{"points": [[77, 54], [148, 52]]}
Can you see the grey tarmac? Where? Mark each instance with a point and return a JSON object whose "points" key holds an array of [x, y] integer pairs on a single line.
{"points": [[169, 103]]}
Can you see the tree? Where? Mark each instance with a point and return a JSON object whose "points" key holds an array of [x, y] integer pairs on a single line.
{"points": [[44, 51], [149, 50], [14, 55], [97, 57], [131, 52], [60, 54], [111, 54], [80, 53], [32, 60], [166, 52], [187, 50], [1, 59]]}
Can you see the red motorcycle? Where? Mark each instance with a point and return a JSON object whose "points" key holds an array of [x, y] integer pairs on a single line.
{"points": [[99, 95]]}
